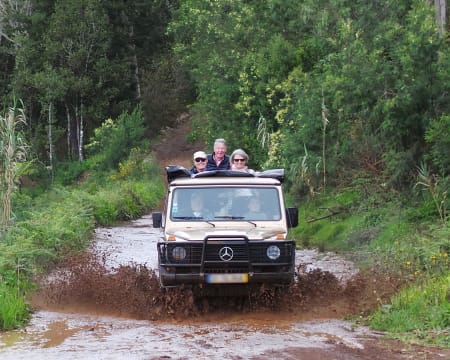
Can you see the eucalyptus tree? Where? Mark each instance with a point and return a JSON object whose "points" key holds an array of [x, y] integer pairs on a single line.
{"points": [[80, 62], [76, 50], [155, 78], [11, 31]]}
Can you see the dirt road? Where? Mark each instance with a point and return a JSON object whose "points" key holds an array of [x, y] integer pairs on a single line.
{"points": [[109, 306]]}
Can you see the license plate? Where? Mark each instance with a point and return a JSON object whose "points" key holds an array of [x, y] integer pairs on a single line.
{"points": [[227, 278]]}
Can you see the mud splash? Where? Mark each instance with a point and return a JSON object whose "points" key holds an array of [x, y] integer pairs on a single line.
{"points": [[85, 283]]}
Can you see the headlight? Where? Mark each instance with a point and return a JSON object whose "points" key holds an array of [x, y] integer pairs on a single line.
{"points": [[273, 252], [179, 253]]}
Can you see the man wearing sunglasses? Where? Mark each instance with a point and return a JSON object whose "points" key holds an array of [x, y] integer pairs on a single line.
{"points": [[200, 160], [219, 160]]}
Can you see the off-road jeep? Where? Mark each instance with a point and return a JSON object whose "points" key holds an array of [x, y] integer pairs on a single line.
{"points": [[223, 228]]}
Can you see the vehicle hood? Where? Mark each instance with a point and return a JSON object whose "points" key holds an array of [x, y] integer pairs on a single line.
{"points": [[254, 231]]}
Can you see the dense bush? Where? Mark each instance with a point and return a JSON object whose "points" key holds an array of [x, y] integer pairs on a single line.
{"points": [[112, 142]]}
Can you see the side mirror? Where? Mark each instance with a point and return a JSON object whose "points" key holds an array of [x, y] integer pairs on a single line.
{"points": [[292, 217], [157, 219]]}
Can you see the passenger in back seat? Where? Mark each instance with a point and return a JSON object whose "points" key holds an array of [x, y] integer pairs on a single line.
{"points": [[219, 160], [239, 160], [200, 160]]}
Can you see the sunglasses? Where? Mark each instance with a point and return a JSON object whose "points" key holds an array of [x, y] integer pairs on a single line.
{"points": [[199, 159], [237, 160]]}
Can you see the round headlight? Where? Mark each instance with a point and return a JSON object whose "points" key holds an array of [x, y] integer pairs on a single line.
{"points": [[273, 252], [179, 253]]}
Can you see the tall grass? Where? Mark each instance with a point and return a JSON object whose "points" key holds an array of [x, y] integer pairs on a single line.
{"points": [[13, 308], [12, 151], [419, 312]]}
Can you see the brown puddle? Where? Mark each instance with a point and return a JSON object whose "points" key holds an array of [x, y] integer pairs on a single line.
{"points": [[57, 332]]}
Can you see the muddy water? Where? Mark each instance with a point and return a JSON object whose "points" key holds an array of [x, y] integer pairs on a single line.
{"points": [[108, 305]]}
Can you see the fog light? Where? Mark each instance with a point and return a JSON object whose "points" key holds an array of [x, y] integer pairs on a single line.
{"points": [[179, 253], [273, 252]]}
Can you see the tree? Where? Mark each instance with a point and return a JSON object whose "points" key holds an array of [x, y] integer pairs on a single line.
{"points": [[271, 68], [76, 44], [441, 14]]}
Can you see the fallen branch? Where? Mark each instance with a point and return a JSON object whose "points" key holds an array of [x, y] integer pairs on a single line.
{"points": [[331, 214]]}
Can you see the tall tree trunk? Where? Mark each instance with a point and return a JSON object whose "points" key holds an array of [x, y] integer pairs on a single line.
{"points": [[80, 134], [441, 14], [50, 139], [135, 63], [77, 122], [69, 132], [325, 122], [136, 75]]}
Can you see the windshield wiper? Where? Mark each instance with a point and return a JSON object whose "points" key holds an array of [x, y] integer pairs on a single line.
{"points": [[229, 217], [194, 218]]}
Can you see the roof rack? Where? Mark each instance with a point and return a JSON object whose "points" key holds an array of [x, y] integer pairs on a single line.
{"points": [[177, 171]]}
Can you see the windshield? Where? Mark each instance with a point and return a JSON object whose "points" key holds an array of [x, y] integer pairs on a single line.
{"points": [[225, 203]]}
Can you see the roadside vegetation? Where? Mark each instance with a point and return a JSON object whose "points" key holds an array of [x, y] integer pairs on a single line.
{"points": [[51, 219], [405, 236], [351, 98]]}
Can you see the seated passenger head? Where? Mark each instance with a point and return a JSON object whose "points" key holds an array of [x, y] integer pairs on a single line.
{"points": [[199, 159], [196, 202], [254, 205], [220, 149], [239, 159]]}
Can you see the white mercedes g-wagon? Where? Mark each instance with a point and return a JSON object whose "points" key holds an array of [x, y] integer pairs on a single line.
{"points": [[223, 228]]}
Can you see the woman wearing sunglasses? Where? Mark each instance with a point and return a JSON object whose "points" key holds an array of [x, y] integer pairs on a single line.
{"points": [[239, 159], [200, 160]]}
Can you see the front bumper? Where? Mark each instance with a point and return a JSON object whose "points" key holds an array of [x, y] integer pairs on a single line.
{"points": [[225, 260]]}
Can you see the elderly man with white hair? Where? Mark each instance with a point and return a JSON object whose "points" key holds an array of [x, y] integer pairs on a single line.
{"points": [[219, 160]]}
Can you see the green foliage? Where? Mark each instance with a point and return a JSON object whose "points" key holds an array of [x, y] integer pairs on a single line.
{"points": [[86, 60], [50, 224], [166, 93], [69, 173], [125, 200], [377, 72], [437, 136], [421, 310], [114, 139], [329, 222], [437, 192], [14, 310]]}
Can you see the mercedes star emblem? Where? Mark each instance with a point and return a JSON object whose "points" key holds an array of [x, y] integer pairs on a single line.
{"points": [[226, 253]]}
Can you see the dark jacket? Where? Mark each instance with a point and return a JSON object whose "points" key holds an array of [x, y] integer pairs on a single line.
{"points": [[224, 164]]}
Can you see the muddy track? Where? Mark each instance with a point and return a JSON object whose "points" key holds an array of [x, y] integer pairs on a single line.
{"points": [[107, 304]]}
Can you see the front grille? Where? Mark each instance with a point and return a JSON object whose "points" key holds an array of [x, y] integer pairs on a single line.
{"points": [[245, 253]]}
